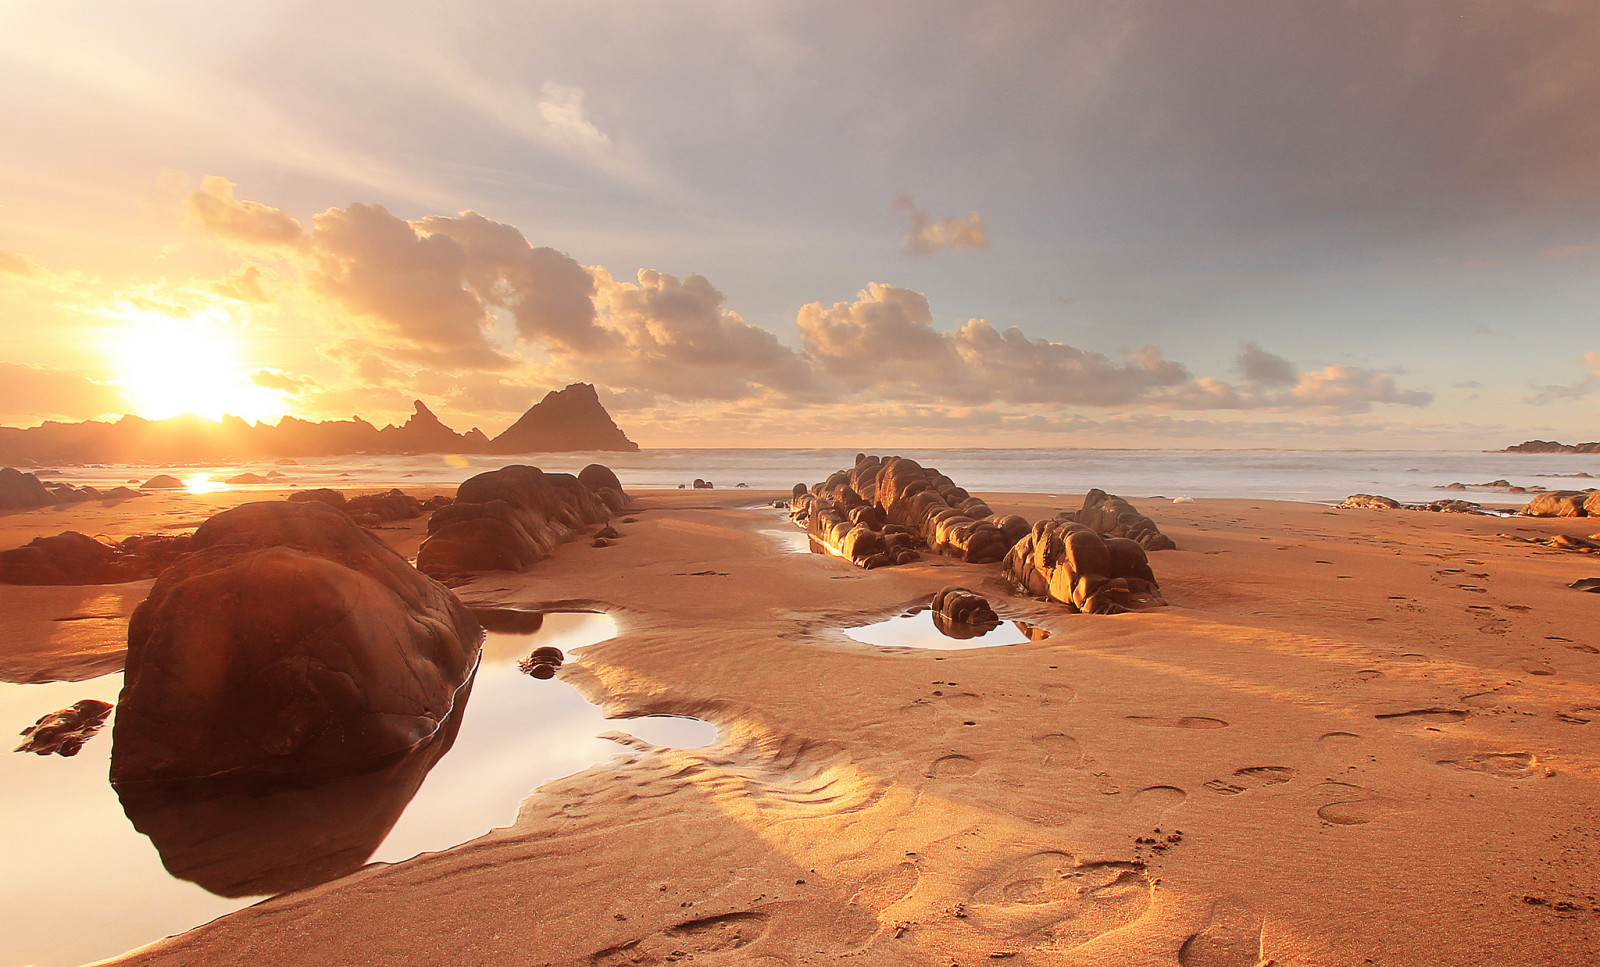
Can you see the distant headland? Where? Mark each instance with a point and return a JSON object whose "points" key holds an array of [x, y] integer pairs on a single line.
{"points": [[1550, 446], [565, 420]]}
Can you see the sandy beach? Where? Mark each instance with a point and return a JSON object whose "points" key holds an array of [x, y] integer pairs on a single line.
{"points": [[1353, 737]]}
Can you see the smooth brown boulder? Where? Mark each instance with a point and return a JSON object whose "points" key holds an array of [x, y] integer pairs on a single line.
{"points": [[321, 495], [1067, 562], [384, 507], [605, 485], [506, 520], [288, 642], [162, 481]]}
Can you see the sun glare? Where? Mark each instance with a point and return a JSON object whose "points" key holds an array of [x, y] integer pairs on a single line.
{"points": [[172, 366]]}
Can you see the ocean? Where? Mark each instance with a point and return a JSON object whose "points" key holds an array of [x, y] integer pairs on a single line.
{"points": [[1319, 476]]}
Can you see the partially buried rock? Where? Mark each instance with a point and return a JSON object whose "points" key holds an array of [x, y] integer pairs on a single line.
{"points": [[247, 479], [1369, 502], [1563, 503], [1110, 516], [603, 483], [1585, 584], [65, 732], [21, 491], [73, 558], [1067, 562], [162, 481], [964, 606], [289, 643], [506, 520], [381, 508]]}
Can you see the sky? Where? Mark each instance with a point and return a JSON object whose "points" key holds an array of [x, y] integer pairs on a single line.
{"points": [[1109, 223]]}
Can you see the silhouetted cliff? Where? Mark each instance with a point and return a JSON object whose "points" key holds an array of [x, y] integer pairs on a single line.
{"points": [[570, 419]]}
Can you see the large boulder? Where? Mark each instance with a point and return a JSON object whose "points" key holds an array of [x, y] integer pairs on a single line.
{"points": [[288, 642], [603, 483], [506, 520], [384, 507], [1068, 562]]}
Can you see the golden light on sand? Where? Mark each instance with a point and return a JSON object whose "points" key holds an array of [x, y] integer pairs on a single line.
{"points": [[174, 365]]}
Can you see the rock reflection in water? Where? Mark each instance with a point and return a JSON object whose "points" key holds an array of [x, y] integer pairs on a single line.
{"points": [[263, 834], [921, 628]]}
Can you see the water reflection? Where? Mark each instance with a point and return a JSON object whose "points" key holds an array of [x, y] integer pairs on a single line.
{"points": [[78, 882], [795, 541], [922, 628]]}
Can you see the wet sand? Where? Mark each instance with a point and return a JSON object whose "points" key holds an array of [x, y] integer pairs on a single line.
{"points": [[1355, 735]]}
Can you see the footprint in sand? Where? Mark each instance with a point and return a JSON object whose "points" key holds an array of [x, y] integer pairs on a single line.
{"points": [[1060, 749], [1187, 722], [1050, 900], [1058, 693], [1506, 765], [1431, 716], [1340, 744], [884, 890], [1231, 938], [1355, 805], [1254, 777], [952, 767], [1148, 808]]}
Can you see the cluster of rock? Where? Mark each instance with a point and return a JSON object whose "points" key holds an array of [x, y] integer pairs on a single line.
{"points": [[1377, 502], [288, 641], [74, 558], [1564, 503], [24, 491], [508, 519], [887, 500], [1069, 562], [371, 509], [1111, 516]]}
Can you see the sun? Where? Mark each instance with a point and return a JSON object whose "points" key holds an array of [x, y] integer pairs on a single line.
{"points": [[171, 365]]}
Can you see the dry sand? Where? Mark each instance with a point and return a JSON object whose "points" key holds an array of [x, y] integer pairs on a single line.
{"points": [[1378, 733]]}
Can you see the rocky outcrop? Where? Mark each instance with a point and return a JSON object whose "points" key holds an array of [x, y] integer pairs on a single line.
{"points": [[883, 499], [424, 433], [1068, 562], [1564, 503], [74, 558], [506, 520], [565, 420], [288, 643], [1110, 516], [1550, 446], [1376, 502], [64, 732]]}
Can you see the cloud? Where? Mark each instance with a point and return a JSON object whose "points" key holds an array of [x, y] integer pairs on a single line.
{"points": [[1353, 389], [213, 209], [946, 235], [242, 286], [277, 379], [14, 263], [1568, 392], [34, 393], [677, 338], [885, 340], [1263, 368]]}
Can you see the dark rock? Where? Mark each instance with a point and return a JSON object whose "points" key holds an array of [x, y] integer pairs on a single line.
{"points": [[162, 481], [381, 508], [1068, 562], [73, 558], [65, 732], [22, 491], [703, 484], [605, 485], [247, 479], [607, 531], [288, 643], [1586, 584], [1550, 446], [507, 519], [436, 502], [321, 495]]}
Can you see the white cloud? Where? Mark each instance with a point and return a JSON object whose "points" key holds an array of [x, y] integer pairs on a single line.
{"points": [[953, 234]]}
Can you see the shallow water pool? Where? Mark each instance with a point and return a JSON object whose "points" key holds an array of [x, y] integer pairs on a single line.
{"points": [[921, 628], [78, 882]]}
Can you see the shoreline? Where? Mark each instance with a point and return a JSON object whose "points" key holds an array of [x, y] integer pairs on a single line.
{"points": [[1398, 696]]}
